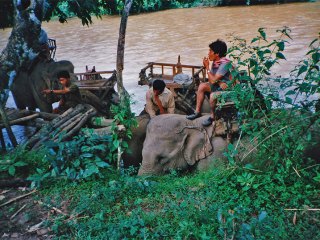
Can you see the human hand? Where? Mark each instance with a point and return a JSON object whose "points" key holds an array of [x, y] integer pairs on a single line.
{"points": [[223, 85], [206, 63], [46, 91]]}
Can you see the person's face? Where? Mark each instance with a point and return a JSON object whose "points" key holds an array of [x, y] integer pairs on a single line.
{"points": [[156, 92], [212, 55], [63, 81]]}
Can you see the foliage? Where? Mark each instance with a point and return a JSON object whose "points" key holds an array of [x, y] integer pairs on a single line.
{"points": [[281, 134], [123, 116], [218, 204], [19, 162], [81, 158]]}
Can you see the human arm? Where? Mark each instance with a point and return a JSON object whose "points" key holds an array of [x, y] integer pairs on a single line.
{"points": [[149, 105], [220, 73], [171, 104], [57, 91]]}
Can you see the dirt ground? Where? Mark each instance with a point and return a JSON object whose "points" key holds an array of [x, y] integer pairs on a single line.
{"points": [[23, 217]]}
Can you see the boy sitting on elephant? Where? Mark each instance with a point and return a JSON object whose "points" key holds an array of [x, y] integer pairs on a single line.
{"points": [[70, 94], [218, 79], [159, 99]]}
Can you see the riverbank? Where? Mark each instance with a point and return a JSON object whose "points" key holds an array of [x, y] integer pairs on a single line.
{"points": [[222, 203]]}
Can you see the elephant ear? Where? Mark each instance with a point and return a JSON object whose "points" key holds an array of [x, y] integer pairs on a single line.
{"points": [[197, 145]]}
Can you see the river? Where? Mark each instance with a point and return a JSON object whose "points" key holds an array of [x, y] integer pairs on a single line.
{"points": [[162, 36]]}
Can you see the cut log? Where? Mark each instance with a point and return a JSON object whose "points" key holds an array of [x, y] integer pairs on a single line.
{"points": [[21, 120], [64, 126], [48, 128], [86, 117]]}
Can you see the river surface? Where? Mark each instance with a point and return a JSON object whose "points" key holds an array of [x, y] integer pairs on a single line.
{"points": [[162, 36]]}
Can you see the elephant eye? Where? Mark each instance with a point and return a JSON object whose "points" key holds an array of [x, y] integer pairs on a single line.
{"points": [[162, 159]]}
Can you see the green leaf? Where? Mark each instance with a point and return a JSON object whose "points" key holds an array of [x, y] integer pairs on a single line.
{"points": [[12, 170], [316, 57], [253, 62], [313, 42], [261, 54], [53, 173], [288, 100], [280, 46], [91, 170], [20, 164], [302, 69], [290, 92], [102, 164], [269, 64], [280, 55], [262, 33], [116, 143], [87, 155], [124, 144], [254, 40]]}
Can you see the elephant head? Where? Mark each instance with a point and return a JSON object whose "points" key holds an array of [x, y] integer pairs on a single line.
{"points": [[28, 86], [173, 142]]}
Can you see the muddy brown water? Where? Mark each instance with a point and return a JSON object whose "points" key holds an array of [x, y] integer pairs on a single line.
{"points": [[162, 36]]}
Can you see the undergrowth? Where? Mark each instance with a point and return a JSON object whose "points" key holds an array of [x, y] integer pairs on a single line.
{"points": [[228, 203]]}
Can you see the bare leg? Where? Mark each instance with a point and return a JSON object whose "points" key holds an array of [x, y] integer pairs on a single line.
{"points": [[213, 103], [203, 88]]}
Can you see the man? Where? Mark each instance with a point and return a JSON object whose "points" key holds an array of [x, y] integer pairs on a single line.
{"points": [[159, 99], [218, 78], [70, 94]]}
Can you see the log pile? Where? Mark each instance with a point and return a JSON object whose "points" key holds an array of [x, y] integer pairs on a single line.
{"points": [[27, 117], [64, 126]]}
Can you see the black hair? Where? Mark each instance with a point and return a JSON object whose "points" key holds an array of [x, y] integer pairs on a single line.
{"points": [[63, 74], [219, 47], [158, 85]]}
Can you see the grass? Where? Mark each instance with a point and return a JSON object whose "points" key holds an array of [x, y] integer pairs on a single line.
{"points": [[218, 204]]}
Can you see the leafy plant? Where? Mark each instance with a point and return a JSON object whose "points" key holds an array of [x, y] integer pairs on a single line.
{"points": [[19, 162], [80, 158], [123, 117]]}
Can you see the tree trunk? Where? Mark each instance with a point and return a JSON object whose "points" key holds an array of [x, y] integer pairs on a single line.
{"points": [[120, 52]]}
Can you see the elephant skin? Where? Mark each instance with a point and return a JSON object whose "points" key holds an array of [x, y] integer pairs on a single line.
{"points": [[134, 156], [174, 142], [27, 87]]}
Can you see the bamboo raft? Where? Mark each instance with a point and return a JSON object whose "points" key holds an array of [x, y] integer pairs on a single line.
{"points": [[167, 71], [185, 97], [99, 83]]}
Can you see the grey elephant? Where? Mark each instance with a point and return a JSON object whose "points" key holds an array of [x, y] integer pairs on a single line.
{"points": [[27, 87], [173, 142]]}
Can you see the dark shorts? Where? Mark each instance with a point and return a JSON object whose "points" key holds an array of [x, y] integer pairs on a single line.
{"points": [[215, 88]]}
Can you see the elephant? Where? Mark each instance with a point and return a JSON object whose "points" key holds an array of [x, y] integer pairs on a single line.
{"points": [[27, 87], [174, 142]]}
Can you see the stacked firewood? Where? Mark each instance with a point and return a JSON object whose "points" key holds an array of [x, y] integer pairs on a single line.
{"points": [[64, 126]]}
